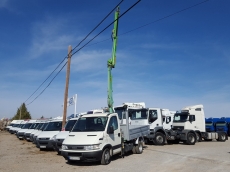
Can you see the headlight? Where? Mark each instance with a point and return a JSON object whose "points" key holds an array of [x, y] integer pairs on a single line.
{"points": [[92, 147], [53, 138], [64, 147]]}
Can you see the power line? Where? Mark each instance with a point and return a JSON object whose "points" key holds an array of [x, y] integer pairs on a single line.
{"points": [[45, 79], [165, 17], [75, 48], [155, 21], [106, 27], [48, 84]]}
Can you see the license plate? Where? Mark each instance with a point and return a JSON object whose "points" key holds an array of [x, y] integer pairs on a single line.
{"points": [[74, 158], [60, 149], [42, 146], [20, 137]]}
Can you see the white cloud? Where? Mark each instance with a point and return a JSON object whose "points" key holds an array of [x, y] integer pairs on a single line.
{"points": [[49, 36], [4, 3]]}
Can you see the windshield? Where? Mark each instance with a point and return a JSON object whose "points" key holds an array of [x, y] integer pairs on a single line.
{"points": [[179, 117], [27, 126], [138, 114], [44, 125], [208, 123], [69, 125], [54, 126], [90, 124], [119, 111], [34, 125], [38, 126], [15, 125], [221, 124]]}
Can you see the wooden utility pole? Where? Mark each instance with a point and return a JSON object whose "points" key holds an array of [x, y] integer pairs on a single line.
{"points": [[66, 86]]}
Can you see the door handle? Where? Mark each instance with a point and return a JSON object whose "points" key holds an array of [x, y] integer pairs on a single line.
{"points": [[119, 134]]}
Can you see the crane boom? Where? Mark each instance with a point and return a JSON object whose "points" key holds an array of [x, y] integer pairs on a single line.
{"points": [[111, 62]]}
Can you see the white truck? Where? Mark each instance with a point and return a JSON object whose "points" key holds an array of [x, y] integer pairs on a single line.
{"points": [[26, 126], [11, 124], [97, 137], [31, 129], [15, 126], [158, 119], [45, 139], [60, 137], [35, 135], [124, 108], [189, 127]]}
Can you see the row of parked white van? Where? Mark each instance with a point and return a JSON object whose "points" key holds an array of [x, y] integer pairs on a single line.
{"points": [[44, 133]]}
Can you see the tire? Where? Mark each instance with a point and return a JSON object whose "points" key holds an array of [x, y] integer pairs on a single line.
{"points": [[105, 159], [191, 139], [222, 137], [159, 139], [134, 149], [139, 148], [198, 137]]}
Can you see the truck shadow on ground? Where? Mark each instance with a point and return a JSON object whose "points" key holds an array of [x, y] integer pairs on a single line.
{"points": [[97, 163]]}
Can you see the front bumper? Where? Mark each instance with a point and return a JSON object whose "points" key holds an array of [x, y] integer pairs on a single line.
{"points": [[27, 136], [20, 135], [82, 156], [45, 144]]}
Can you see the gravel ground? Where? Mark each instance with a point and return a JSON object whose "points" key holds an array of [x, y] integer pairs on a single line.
{"points": [[20, 155]]}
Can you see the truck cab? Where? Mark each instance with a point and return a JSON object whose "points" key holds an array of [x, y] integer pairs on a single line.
{"points": [[189, 127], [158, 119], [97, 137], [124, 108]]}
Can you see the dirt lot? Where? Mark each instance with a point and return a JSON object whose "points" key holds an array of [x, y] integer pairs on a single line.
{"points": [[20, 155]]}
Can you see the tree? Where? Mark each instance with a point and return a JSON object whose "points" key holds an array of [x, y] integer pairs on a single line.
{"points": [[24, 113]]}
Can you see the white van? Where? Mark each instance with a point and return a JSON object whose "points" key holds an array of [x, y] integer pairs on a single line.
{"points": [[44, 139], [60, 137]]}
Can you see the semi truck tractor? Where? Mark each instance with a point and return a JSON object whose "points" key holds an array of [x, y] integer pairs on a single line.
{"points": [[189, 127], [97, 137]]}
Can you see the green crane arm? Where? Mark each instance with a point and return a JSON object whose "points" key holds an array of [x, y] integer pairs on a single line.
{"points": [[111, 63]]}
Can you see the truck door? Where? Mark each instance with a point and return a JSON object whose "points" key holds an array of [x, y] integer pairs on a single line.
{"points": [[156, 115], [115, 138]]}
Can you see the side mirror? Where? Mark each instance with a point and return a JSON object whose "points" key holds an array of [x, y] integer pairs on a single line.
{"points": [[111, 130]]}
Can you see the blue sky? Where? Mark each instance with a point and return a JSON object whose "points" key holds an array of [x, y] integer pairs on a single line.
{"points": [[179, 61]]}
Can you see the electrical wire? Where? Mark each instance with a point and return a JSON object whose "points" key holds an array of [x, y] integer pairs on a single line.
{"points": [[45, 80], [48, 84], [75, 48], [155, 21], [106, 27], [170, 15]]}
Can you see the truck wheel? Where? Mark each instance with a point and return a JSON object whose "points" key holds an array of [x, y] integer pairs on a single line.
{"points": [[105, 159], [159, 139], [198, 137], [134, 149], [191, 139], [139, 148], [222, 137]]}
